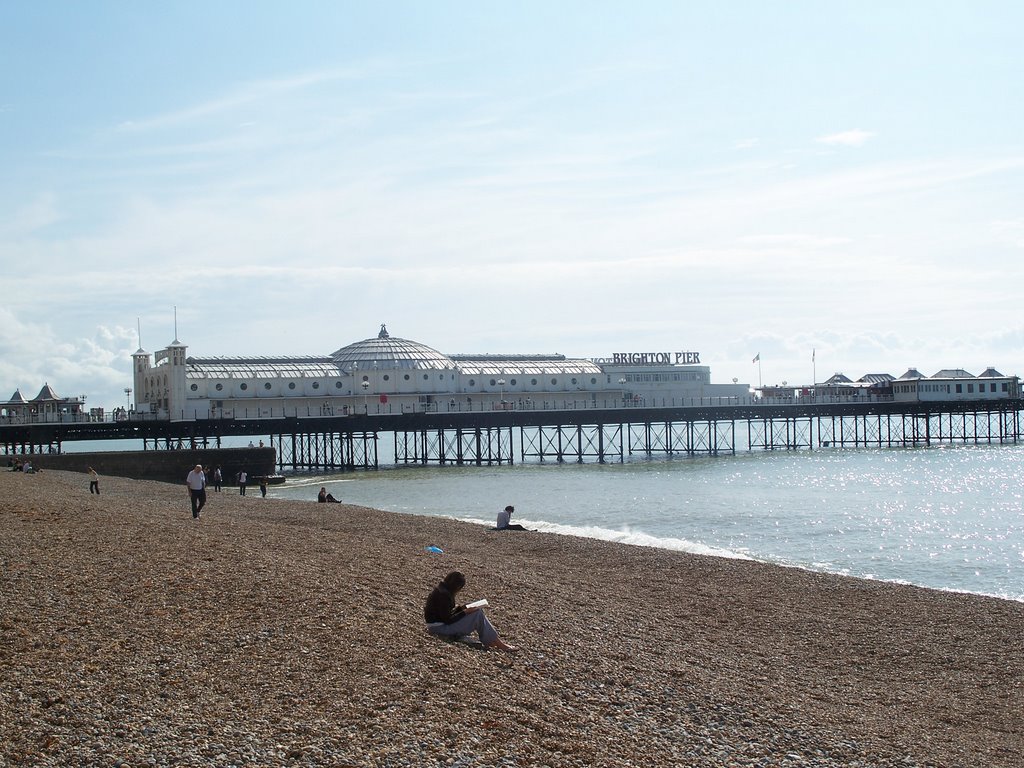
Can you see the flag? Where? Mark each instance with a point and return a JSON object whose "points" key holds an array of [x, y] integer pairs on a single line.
{"points": [[813, 353], [757, 357]]}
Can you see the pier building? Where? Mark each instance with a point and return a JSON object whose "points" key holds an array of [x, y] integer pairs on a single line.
{"points": [[388, 375]]}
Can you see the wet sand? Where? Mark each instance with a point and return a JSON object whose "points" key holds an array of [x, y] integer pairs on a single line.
{"points": [[289, 633]]}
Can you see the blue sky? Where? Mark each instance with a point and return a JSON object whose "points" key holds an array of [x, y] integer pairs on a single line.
{"points": [[577, 177]]}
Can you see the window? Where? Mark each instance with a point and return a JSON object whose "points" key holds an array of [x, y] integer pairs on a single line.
{"points": [[1006, 387], [493, 382], [533, 382], [194, 387], [959, 389], [243, 386], [291, 385], [337, 385], [220, 387], [554, 382], [970, 388], [316, 385], [574, 381], [426, 376], [407, 377], [266, 385], [472, 382], [593, 381], [992, 387], [386, 377], [512, 382]]}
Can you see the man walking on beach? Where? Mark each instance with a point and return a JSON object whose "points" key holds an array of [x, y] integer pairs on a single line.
{"points": [[94, 481], [196, 482], [242, 478]]}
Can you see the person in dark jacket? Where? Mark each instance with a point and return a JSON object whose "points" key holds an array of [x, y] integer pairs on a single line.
{"points": [[447, 619]]}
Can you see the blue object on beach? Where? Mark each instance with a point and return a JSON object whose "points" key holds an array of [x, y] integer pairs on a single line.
{"points": [[436, 550]]}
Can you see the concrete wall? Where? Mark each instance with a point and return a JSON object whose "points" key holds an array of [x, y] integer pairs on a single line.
{"points": [[165, 466]]}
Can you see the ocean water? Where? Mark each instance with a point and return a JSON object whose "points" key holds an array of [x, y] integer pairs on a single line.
{"points": [[947, 517]]}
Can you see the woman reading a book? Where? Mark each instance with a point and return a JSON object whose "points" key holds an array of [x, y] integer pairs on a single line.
{"points": [[447, 619]]}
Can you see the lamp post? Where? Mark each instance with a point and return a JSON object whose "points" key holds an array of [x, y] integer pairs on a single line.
{"points": [[501, 393], [622, 386], [128, 396], [365, 385]]}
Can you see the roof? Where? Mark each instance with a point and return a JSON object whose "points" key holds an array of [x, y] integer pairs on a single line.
{"points": [[912, 373], [991, 373], [390, 352], [259, 367], [839, 378], [47, 394], [523, 365], [876, 378], [17, 398], [953, 373]]}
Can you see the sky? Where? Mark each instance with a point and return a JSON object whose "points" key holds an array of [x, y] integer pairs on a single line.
{"points": [[834, 187]]}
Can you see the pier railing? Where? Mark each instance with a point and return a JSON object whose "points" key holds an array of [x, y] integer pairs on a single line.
{"points": [[285, 411]]}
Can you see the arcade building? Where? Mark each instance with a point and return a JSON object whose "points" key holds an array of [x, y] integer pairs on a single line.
{"points": [[386, 374]]}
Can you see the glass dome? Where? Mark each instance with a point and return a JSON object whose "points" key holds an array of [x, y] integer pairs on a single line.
{"points": [[389, 352]]}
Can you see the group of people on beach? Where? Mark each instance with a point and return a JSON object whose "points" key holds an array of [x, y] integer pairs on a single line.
{"points": [[446, 619], [199, 478], [442, 615], [19, 465]]}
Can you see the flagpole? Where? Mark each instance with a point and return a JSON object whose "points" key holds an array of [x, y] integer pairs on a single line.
{"points": [[760, 383]]}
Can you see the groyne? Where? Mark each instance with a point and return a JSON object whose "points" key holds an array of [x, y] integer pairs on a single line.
{"points": [[164, 466]]}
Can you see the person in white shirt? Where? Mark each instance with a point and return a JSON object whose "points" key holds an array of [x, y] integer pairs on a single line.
{"points": [[196, 482], [242, 478], [504, 518]]}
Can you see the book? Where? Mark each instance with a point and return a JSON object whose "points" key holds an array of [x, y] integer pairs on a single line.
{"points": [[478, 604]]}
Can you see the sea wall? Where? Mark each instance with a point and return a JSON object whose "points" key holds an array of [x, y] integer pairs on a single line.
{"points": [[166, 466]]}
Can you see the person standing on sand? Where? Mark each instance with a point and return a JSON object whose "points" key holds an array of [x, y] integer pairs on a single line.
{"points": [[242, 477], [446, 619], [217, 479], [94, 481], [263, 485], [504, 517], [196, 482]]}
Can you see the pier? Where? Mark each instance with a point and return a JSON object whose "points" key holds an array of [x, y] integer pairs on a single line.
{"points": [[583, 433]]}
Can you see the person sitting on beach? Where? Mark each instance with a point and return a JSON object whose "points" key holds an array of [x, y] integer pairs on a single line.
{"points": [[446, 619], [325, 498], [504, 518]]}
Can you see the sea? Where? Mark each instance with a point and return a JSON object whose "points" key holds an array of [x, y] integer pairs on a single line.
{"points": [[945, 517]]}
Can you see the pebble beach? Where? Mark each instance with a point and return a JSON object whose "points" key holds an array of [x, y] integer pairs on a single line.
{"points": [[289, 633]]}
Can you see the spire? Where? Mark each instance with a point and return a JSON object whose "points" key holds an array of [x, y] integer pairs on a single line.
{"points": [[383, 332]]}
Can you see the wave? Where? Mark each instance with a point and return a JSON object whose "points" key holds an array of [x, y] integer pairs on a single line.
{"points": [[625, 535]]}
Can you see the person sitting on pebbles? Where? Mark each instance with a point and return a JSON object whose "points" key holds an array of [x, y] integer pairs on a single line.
{"points": [[325, 498], [504, 518], [446, 619]]}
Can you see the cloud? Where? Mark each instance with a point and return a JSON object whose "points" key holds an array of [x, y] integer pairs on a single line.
{"points": [[746, 143], [1009, 232], [854, 138], [247, 94]]}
